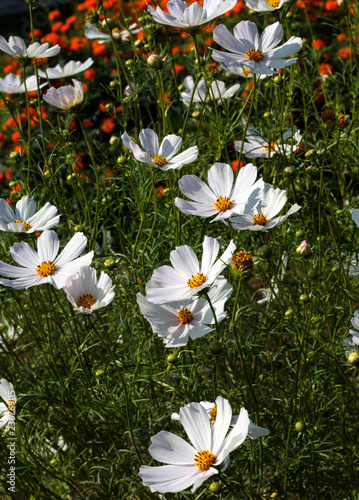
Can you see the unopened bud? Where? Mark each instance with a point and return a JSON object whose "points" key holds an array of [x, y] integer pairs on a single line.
{"points": [[154, 61], [303, 250]]}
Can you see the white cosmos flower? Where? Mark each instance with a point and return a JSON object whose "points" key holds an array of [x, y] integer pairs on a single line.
{"points": [[254, 52], [265, 6], [355, 323], [65, 97], [70, 69], [16, 47], [44, 266], [193, 464], [256, 146], [7, 409], [60, 446], [13, 84], [86, 293], [92, 33], [25, 218], [163, 156], [221, 197], [348, 347], [216, 91], [355, 215], [186, 278], [182, 16], [178, 321], [262, 218], [235, 69], [254, 431]]}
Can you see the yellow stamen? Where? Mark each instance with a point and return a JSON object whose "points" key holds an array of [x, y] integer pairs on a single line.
{"points": [[255, 55], [242, 260], [259, 220], [159, 160], [270, 146], [273, 3], [197, 280], [26, 225], [45, 268], [223, 203], [204, 459], [87, 300], [185, 315], [213, 414]]}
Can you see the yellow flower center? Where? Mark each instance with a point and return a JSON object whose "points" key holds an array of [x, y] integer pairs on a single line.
{"points": [[116, 33], [185, 315], [197, 280], [270, 146], [159, 160], [26, 225], [87, 300], [246, 71], [45, 268], [204, 459], [259, 220], [273, 3], [242, 260], [213, 414], [255, 55], [223, 203]]}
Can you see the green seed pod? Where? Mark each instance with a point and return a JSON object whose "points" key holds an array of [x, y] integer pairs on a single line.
{"points": [[172, 359], [278, 79], [130, 63], [304, 298], [99, 373], [113, 84], [313, 274], [300, 426], [215, 347], [215, 487], [289, 313], [121, 160], [264, 252]]}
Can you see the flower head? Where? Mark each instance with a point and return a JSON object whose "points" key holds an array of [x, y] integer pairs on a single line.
{"points": [[256, 146], [254, 431], [262, 218], [163, 156], [65, 97], [216, 91], [253, 52], [24, 219], [71, 68], [86, 293], [16, 47], [44, 266], [355, 323], [178, 321], [193, 464], [92, 33], [265, 5], [186, 278], [182, 16], [13, 84], [221, 197], [7, 409]]}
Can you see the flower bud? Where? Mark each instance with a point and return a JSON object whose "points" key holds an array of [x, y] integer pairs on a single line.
{"points": [[303, 250], [290, 171], [289, 313], [267, 115], [109, 264], [342, 121], [215, 487], [79, 228], [353, 358], [154, 61], [15, 156], [309, 154], [278, 79], [114, 140], [304, 298], [264, 252], [196, 115], [300, 426], [113, 84], [121, 160], [99, 373], [328, 119], [215, 347], [172, 359]]}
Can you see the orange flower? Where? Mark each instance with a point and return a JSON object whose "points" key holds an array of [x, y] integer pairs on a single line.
{"points": [[331, 5], [37, 33], [318, 44], [108, 125], [77, 43], [179, 68], [71, 20], [53, 39], [344, 53], [56, 26], [54, 14], [326, 69], [159, 190], [237, 9], [15, 137], [88, 123], [98, 48], [342, 37], [90, 74], [234, 165]]}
